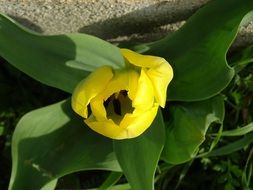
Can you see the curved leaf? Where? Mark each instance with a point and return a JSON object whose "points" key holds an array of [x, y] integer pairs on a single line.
{"points": [[138, 157], [60, 61], [197, 51], [188, 126], [51, 142]]}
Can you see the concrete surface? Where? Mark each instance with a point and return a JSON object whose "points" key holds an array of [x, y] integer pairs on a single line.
{"points": [[112, 20]]}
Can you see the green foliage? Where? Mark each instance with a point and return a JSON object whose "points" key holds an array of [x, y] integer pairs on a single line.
{"points": [[55, 145], [232, 147], [239, 131], [188, 126], [111, 180], [139, 157], [197, 51], [66, 59]]}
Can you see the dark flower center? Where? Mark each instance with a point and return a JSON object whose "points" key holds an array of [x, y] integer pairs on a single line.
{"points": [[118, 104]]}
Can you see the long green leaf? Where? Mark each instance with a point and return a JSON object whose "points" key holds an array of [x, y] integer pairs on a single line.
{"points": [[51, 142], [197, 51], [239, 131], [117, 187], [231, 147], [139, 157], [188, 126], [111, 180], [60, 61]]}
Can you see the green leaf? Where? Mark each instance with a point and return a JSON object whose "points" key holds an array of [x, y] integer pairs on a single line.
{"points": [[239, 131], [242, 58], [188, 126], [247, 19], [120, 187], [51, 142], [138, 157], [125, 186], [111, 180], [231, 147], [60, 61], [197, 51]]}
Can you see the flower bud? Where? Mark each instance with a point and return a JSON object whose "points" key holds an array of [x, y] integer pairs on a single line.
{"points": [[123, 103]]}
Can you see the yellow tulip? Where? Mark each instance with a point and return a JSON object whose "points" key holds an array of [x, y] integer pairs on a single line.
{"points": [[123, 103]]}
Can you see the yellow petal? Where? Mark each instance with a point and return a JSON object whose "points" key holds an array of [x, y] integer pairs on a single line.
{"points": [[160, 76], [133, 84], [137, 122], [141, 60], [107, 128], [131, 126], [89, 88], [98, 109], [144, 98], [122, 80], [159, 72]]}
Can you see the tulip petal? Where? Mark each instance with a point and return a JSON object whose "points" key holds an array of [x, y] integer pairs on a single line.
{"points": [[131, 126], [144, 98], [107, 128], [140, 60], [122, 80], [160, 72], [89, 88], [98, 109], [137, 122], [160, 76], [132, 84]]}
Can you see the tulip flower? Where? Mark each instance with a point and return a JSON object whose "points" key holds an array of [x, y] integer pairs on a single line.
{"points": [[122, 103]]}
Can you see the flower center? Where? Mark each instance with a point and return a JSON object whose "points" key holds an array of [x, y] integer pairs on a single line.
{"points": [[117, 105]]}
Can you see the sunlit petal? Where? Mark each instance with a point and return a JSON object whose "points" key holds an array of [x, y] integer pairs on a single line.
{"points": [[138, 122], [98, 109], [144, 98], [141, 60], [158, 70], [132, 84], [160, 76], [107, 128], [89, 88], [122, 80]]}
